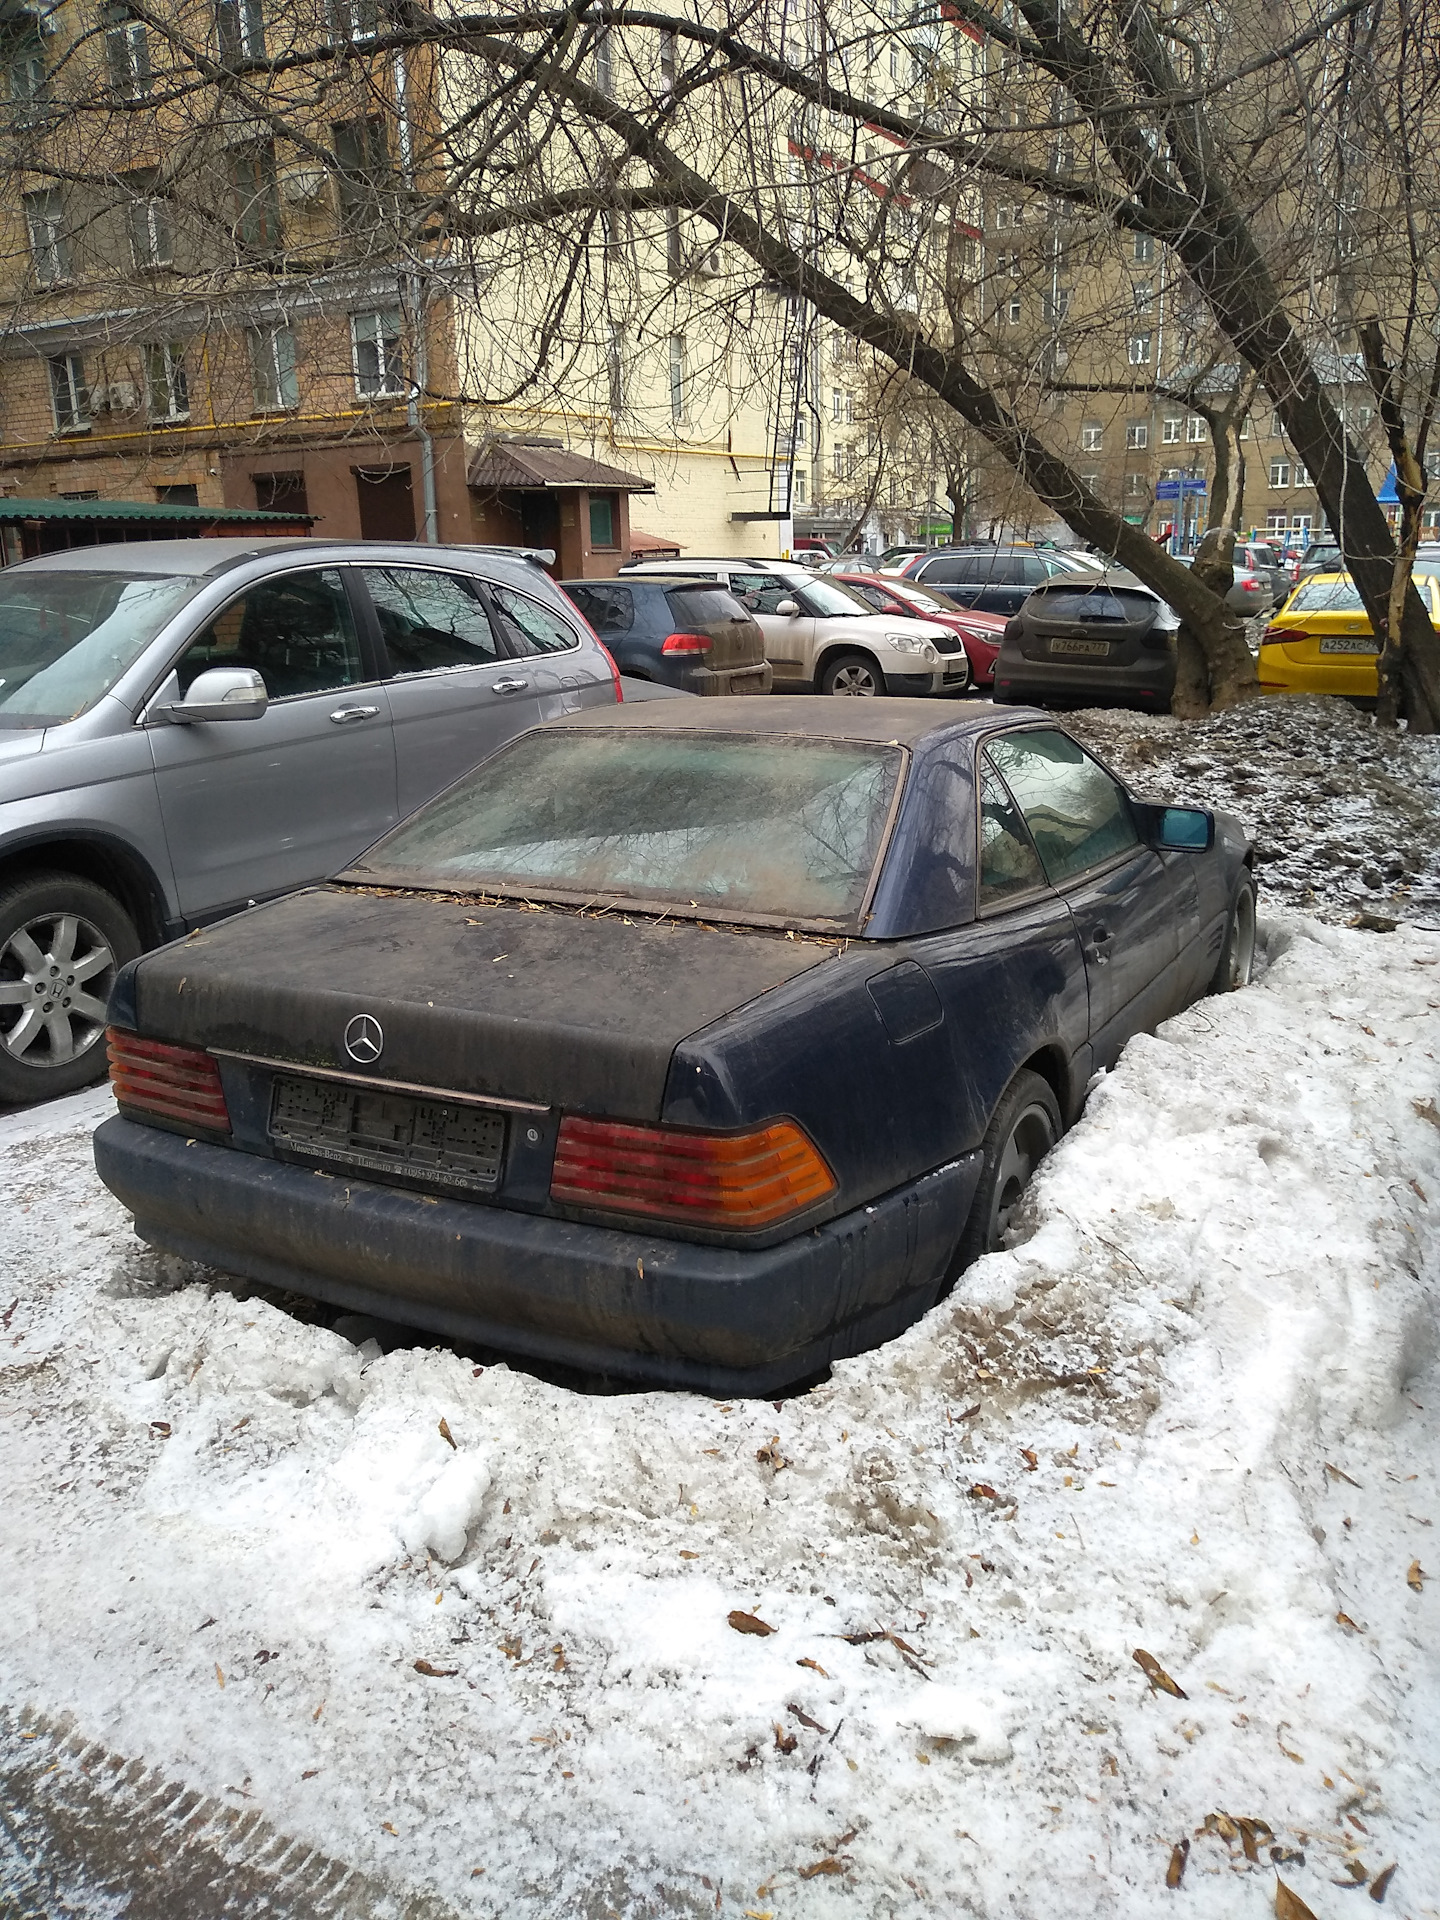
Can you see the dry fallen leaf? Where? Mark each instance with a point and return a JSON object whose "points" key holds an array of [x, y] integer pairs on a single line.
{"points": [[220, 1676], [1248, 1831], [1222, 1824], [821, 1866], [1337, 1473], [161, 1427], [1032, 1460], [814, 1666], [1426, 1111], [784, 1742], [445, 1433], [1288, 1905], [1380, 1885], [435, 1673], [748, 1623], [805, 1720], [1344, 1620], [1415, 1577], [770, 1455], [1175, 1872], [388, 1828], [980, 1491], [1156, 1674], [686, 1554]]}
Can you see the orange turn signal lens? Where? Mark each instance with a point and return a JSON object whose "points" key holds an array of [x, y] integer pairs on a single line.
{"points": [[181, 1084], [733, 1180]]}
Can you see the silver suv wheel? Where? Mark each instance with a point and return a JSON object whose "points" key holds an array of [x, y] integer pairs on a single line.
{"points": [[56, 972]]}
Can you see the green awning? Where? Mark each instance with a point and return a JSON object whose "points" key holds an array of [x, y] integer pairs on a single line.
{"points": [[15, 511]]}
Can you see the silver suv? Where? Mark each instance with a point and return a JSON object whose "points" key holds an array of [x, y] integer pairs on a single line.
{"points": [[187, 726]]}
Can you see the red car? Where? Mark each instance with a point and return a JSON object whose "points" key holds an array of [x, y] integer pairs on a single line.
{"points": [[981, 632]]}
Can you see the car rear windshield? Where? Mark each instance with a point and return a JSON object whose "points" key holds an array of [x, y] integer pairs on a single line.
{"points": [[705, 606], [66, 637], [767, 828], [1099, 604], [1326, 596]]}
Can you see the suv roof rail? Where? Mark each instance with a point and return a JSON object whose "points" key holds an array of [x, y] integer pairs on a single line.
{"points": [[541, 556]]}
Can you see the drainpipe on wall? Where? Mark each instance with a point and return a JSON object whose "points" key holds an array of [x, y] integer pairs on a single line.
{"points": [[419, 308]]}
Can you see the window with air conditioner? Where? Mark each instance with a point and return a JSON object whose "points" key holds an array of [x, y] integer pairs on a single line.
{"points": [[167, 389], [69, 395], [273, 383], [379, 353]]}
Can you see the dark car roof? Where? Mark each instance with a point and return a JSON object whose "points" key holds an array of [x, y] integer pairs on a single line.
{"points": [[891, 722]]}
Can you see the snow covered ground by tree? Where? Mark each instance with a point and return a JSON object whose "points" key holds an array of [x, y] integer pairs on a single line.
{"points": [[1120, 1564]]}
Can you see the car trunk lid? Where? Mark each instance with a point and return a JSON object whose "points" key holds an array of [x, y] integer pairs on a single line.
{"points": [[539, 1005], [709, 610], [1083, 620]]}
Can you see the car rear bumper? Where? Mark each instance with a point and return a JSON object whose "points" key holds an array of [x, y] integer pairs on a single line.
{"points": [[664, 1312], [1353, 676], [1146, 683], [725, 680]]}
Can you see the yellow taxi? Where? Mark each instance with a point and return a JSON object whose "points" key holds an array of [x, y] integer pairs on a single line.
{"points": [[1321, 640]]}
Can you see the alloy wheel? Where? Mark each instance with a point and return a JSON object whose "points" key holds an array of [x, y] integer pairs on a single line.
{"points": [[1029, 1140], [854, 679], [56, 972]]}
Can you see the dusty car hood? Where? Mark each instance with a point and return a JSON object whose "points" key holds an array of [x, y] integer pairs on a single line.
{"points": [[527, 1005]]}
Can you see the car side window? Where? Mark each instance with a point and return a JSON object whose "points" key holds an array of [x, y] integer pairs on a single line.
{"points": [[1078, 816], [761, 592], [962, 572], [537, 629], [430, 620], [295, 630], [872, 596], [610, 610], [1009, 864]]}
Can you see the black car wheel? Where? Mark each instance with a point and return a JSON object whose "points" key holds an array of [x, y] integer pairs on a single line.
{"points": [[852, 673], [1237, 956], [1025, 1127], [62, 941]]}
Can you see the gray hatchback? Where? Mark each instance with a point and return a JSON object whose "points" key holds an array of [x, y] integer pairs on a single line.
{"points": [[1098, 640], [188, 726]]}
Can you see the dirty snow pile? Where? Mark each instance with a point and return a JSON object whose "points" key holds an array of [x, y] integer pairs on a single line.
{"points": [[1127, 1549], [1345, 816]]}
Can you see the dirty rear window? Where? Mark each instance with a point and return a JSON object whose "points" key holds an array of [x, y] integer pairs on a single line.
{"points": [[781, 829]]}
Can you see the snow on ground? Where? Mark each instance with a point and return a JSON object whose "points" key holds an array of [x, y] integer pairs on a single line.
{"points": [[1346, 817], [1192, 1415]]}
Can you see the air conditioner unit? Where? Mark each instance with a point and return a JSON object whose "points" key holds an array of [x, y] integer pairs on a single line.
{"points": [[116, 396], [303, 186], [709, 265]]}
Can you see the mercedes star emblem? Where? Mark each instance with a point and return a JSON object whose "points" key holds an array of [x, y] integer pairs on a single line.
{"points": [[364, 1039]]}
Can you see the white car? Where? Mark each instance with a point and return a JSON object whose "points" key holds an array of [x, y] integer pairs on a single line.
{"points": [[819, 635]]}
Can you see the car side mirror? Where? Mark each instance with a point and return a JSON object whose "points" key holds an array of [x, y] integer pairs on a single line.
{"points": [[788, 607], [1188, 829], [220, 693]]}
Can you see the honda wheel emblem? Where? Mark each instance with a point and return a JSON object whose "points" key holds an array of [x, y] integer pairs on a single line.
{"points": [[364, 1039]]}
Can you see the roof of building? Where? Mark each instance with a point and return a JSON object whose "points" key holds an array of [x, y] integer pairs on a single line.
{"points": [[529, 463], [14, 509]]}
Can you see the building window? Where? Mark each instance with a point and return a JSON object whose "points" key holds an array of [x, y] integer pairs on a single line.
{"points": [[1092, 437], [1137, 433], [27, 84], [355, 19], [605, 63], [1170, 429], [281, 492], [1364, 417], [677, 378], [1135, 485], [1244, 433], [1143, 296], [1301, 477], [668, 48], [49, 244], [1013, 310], [1056, 306], [1142, 251], [127, 52], [69, 394], [240, 25], [179, 493], [1008, 216], [1275, 521], [151, 228], [1139, 349], [604, 520], [272, 369], [255, 195], [798, 490], [837, 403], [167, 389], [362, 157], [379, 360], [1195, 428], [1090, 481], [1279, 473], [1277, 425]]}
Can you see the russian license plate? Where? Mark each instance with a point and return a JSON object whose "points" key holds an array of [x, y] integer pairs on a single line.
{"points": [[1348, 643], [429, 1140], [1089, 649]]}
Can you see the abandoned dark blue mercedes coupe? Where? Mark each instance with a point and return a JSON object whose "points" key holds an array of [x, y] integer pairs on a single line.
{"points": [[694, 1047]]}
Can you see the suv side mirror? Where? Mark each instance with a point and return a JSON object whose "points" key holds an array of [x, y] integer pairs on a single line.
{"points": [[220, 693], [788, 607]]}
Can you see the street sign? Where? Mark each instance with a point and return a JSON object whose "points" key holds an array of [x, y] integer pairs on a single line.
{"points": [[1177, 489]]}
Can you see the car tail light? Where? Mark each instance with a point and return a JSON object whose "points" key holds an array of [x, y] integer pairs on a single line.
{"points": [[709, 1179], [1250, 586], [173, 1083], [685, 643]]}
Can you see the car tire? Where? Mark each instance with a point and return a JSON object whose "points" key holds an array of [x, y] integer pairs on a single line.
{"points": [[1237, 956], [855, 674], [1024, 1128], [62, 942]]}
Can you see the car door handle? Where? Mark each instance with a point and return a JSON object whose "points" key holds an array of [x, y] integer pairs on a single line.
{"points": [[342, 714], [1100, 939], [508, 686]]}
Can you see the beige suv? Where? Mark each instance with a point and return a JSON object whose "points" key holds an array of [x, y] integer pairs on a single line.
{"points": [[820, 636]]}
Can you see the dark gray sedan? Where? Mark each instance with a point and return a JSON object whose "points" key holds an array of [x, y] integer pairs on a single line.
{"points": [[190, 725]]}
